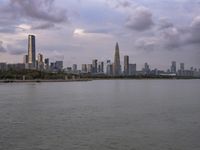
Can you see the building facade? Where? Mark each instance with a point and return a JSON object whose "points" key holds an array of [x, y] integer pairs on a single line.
{"points": [[74, 67], [101, 67], [132, 69], [173, 67], [46, 64], [109, 69], [40, 62], [94, 66], [116, 65], [126, 65], [31, 51]]}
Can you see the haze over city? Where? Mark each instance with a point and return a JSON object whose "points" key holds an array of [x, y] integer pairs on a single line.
{"points": [[78, 31]]}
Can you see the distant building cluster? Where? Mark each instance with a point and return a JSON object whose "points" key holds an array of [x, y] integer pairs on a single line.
{"points": [[30, 61], [114, 69], [104, 68]]}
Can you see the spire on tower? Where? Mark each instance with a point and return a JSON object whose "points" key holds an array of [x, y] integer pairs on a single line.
{"points": [[117, 66]]}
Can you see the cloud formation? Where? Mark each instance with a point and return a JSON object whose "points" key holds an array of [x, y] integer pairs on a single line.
{"points": [[194, 29], [42, 12], [171, 37], [95, 26], [140, 20], [38, 9], [164, 24], [43, 26], [2, 49]]}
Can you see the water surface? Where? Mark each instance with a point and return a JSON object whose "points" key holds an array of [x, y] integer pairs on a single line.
{"points": [[101, 115]]}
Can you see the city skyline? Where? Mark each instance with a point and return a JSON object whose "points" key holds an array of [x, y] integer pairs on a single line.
{"points": [[148, 31], [96, 68], [109, 67]]}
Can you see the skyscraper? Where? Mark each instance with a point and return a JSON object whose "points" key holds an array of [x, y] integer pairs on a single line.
{"points": [[117, 66], [94, 66], [182, 68], [46, 63], [84, 68], [31, 51], [74, 67], [181, 72], [126, 65], [40, 64], [173, 67], [89, 68], [59, 65], [146, 69], [109, 69], [101, 67], [132, 69], [25, 60]]}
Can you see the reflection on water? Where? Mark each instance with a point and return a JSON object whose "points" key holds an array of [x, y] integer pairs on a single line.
{"points": [[101, 115]]}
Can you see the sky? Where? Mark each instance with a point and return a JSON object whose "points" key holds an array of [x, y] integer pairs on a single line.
{"points": [[77, 31]]}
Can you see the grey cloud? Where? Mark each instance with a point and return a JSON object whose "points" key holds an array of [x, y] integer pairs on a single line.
{"points": [[124, 4], [15, 51], [7, 22], [148, 44], [194, 37], [2, 49], [7, 30], [171, 38], [120, 3], [43, 26], [189, 35], [140, 20], [38, 9], [15, 12], [105, 31], [164, 23], [167, 39]]}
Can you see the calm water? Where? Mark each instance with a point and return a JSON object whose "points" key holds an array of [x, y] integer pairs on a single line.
{"points": [[101, 115]]}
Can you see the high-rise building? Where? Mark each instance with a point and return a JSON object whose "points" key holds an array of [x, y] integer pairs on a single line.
{"points": [[74, 67], [52, 66], [84, 68], [31, 51], [40, 58], [173, 67], [126, 65], [59, 65], [40, 63], [146, 69], [132, 69], [25, 60], [94, 66], [116, 65], [89, 68], [182, 66], [109, 69], [101, 67], [46, 63]]}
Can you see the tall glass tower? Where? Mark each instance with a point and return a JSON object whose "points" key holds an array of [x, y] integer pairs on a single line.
{"points": [[117, 66], [31, 51], [126, 65]]}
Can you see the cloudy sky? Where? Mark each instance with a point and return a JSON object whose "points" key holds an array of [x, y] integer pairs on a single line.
{"points": [[77, 31]]}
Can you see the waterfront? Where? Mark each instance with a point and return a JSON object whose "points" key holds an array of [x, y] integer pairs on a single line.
{"points": [[100, 115]]}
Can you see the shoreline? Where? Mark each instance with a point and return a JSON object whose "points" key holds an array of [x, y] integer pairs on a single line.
{"points": [[88, 79], [42, 80]]}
